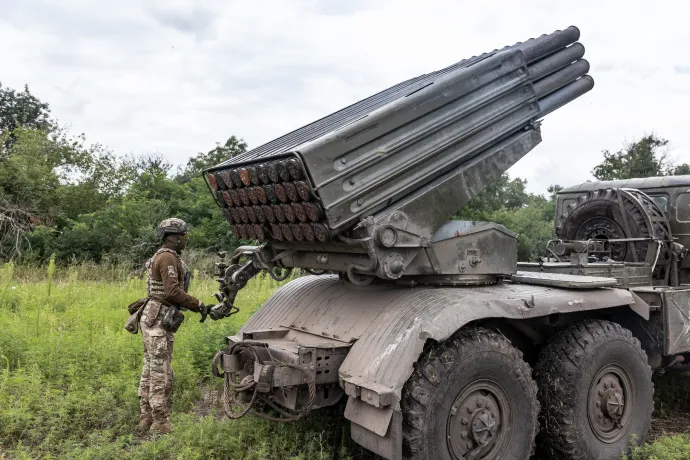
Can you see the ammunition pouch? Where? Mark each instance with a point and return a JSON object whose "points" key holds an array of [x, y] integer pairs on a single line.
{"points": [[152, 312], [172, 319], [136, 306], [132, 324]]}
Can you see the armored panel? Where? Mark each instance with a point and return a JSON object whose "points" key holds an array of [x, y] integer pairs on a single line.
{"points": [[388, 325], [642, 183], [470, 250], [563, 280], [375, 155], [676, 311], [626, 275]]}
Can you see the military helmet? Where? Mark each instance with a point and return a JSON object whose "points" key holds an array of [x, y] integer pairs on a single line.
{"points": [[171, 226]]}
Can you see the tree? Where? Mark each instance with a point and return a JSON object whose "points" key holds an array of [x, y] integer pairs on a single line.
{"points": [[232, 147], [21, 110], [504, 193], [553, 191], [682, 170], [644, 158]]}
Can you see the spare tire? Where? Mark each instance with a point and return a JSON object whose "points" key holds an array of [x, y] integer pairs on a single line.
{"points": [[619, 214]]}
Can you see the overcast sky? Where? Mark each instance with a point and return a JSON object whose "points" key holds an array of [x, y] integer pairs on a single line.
{"points": [[177, 76]]}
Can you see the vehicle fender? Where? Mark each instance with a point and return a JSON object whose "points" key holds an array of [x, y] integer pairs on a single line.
{"points": [[388, 325]]}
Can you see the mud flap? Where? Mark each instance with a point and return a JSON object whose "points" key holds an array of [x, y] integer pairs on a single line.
{"points": [[377, 429]]}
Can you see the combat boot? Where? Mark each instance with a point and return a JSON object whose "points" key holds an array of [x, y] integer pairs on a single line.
{"points": [[161, 427], [145, 423]]}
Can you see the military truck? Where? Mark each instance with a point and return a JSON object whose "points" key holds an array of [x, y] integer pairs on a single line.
{"points": [[440, 343]]}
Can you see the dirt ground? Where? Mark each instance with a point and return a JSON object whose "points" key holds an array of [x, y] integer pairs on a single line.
{"points": [[670, 424]]}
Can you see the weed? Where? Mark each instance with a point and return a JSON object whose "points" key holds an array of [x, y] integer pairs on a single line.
{"points": [[69, 375], [69, 378]]}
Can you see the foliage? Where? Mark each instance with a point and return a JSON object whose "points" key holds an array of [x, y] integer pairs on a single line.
{"points": [[644, 158], [69, 375], [507, 202], [21, 109], [232, 147], [533, 223], [667, 448], [81, 202], [501, 194]]}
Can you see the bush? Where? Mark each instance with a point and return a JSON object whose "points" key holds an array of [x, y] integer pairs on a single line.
{"points": [[668, 448]]}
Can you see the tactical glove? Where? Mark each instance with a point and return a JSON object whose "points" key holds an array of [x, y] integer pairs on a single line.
{"points": [[203, 311]]}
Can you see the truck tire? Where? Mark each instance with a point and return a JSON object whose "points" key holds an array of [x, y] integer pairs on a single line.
{"points": [[596, 391], [598, 215], [473, 392]]}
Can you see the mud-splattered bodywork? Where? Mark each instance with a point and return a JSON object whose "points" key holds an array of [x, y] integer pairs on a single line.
{"points": [[380, 331]]}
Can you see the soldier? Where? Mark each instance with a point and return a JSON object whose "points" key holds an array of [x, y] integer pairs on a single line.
{"points": [[166, 284]]}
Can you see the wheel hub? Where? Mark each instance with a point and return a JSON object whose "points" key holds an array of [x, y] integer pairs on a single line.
{"points": [[608, 411], [613, 403], [602, 228], [478, 423], [484, 427]]}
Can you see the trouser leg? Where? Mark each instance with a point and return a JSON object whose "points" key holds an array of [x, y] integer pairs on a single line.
{"points": [[160, 377], [144, 384], [171, 374]]}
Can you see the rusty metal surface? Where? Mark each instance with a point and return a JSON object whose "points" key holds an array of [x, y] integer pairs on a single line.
{"points": [[389, 325], [401, 162], [563, 280]]}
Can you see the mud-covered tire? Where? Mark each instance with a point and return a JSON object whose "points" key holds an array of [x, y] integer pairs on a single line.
{"points": [[477, 370], [578, 364]]}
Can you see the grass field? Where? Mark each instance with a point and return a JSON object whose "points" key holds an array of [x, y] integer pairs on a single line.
{"points": [[69, 374]]}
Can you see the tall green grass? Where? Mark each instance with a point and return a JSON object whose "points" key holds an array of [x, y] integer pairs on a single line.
{"points": [[69, 374]]}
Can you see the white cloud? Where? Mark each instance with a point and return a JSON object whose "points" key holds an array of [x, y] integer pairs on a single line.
{"points": [[177, 76]]}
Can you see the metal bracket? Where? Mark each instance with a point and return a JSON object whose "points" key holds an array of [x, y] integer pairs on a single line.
{"points": [[626, 225], [433, 260], [236, 276]]}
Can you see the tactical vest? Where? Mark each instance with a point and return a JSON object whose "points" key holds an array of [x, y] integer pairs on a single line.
{"points": [[155, 288]]}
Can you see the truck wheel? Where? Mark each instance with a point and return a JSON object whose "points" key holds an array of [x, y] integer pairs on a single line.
{"points": [[598, 215], [596, 390], [471, 397]]}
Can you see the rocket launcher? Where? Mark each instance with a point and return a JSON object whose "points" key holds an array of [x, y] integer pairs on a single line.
{"points": [[363, 190]]}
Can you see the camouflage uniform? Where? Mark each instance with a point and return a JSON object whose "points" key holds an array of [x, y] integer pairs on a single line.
{"points": [[167, 283]]}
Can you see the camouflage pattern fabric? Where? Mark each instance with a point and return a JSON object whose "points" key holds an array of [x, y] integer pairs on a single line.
{"points": [[172, 225], [168, 280], [155, 386]]}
